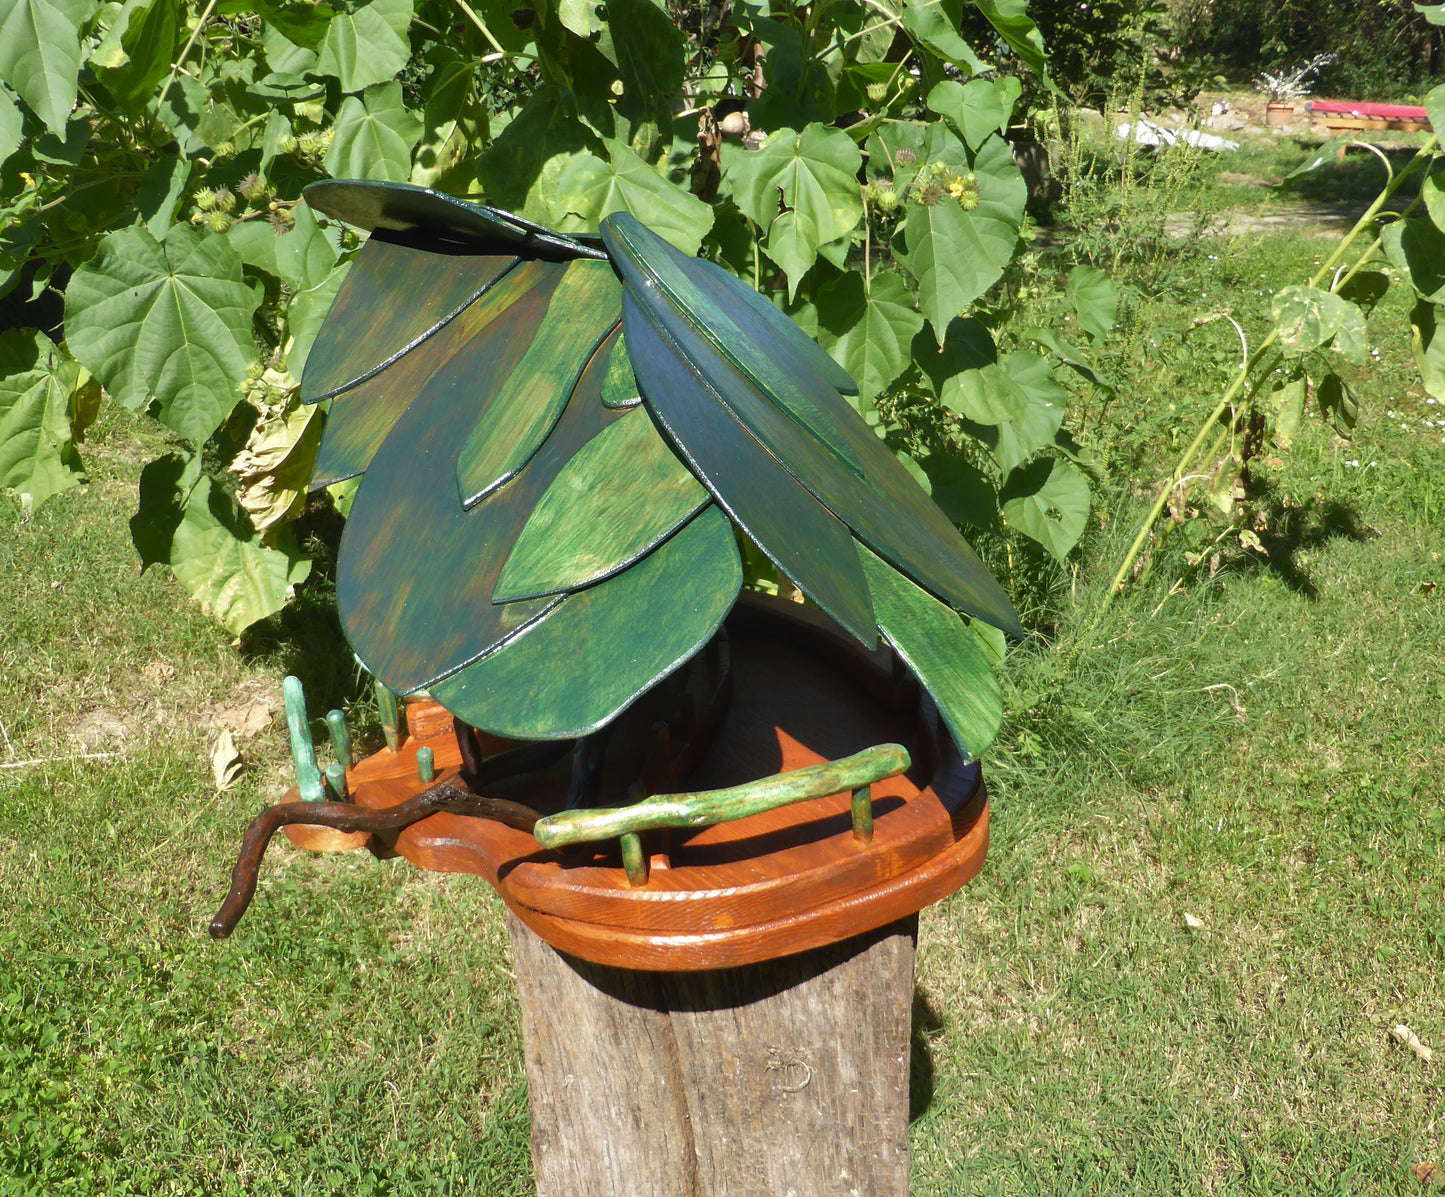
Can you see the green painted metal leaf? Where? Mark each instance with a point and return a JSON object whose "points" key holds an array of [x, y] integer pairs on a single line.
{"points": [[367, 328], [800, 536], [366, 44], [38, 457], [622, 494], [416, 573], [574, 671], [40, 54], [810, 433], [404, 208], [360, 420], [941, 651], [165, 320], [619, 388], [581, 311], [375, 134]]}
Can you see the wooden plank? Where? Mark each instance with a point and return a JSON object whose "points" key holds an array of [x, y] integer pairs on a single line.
{"points": [[941, 651], [396, 295], [581, 312], [784, 1077], [404, 207], [798, 533], [357, 425], [416, 573], [574, 670], [623, 493], [796, 413]]}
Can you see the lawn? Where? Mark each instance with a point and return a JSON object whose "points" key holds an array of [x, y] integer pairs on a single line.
{"points": [[1216, 881]]}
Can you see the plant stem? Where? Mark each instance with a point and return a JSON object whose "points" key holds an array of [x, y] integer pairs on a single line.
{"points": [[185, 50], [1187, 457]]}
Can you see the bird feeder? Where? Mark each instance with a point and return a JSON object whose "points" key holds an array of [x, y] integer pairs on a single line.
{"points": [[713, 815]]}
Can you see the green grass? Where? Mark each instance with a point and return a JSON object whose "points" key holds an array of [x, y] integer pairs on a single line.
{"points": [[1262, 756]]}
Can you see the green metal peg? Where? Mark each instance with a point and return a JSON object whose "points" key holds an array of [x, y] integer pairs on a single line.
{"points": [[426, 769], [390, 709], [863, 814], [634, 860], [336, 783], [303, 750], [340, 738]]}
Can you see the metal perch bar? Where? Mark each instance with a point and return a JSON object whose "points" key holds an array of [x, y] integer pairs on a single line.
{"points": [[704, 809]]}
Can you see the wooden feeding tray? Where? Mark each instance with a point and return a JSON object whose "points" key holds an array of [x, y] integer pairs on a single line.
{"points": [[1346, 115], [767, 885]]}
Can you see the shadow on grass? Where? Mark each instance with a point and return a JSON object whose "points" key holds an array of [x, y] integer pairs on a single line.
{"points": [[927, 1023]]}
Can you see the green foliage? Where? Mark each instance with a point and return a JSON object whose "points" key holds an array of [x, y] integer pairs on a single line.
{"points": [[153, 157]]}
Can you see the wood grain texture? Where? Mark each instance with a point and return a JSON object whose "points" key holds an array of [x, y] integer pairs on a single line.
{"points": [[416, 573], [358, 424], [784, 1077], [623, 493], [404, 207], [792, 407], [396, 295], [799, 535], [575, 669], [581, 311], [941, 651]]}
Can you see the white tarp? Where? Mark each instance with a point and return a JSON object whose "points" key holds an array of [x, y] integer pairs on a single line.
{"points": [[1149, 134]]}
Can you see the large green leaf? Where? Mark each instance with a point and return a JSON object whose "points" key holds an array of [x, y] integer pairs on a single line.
{"points": [[801, 189], [40, 54], [936, 24], [1435, 103], [366, 45], [649, 51], [137, 50], [37, 443], [12, 123], [967, 345], [1418, 248], [220, 560], [979, 109], [1308, 317], [374, 136], [956, 254], [1017, 403], [589, 188], [869, 333], [1011, 18], [1048, 500], [1429, 346], [1095, 300], [303, 23], [165, 320], [939, 648], [516, 169], [454, 122], [300, 257]]}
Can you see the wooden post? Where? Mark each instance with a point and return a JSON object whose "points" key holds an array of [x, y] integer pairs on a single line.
{"points": [[784, 1077]]}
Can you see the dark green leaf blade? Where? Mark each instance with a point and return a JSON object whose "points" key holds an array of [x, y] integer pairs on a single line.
{"points": [[398, 293], [581, 311], [403, 208], [416, 573], [798, 533], [572, 672], [810, 431], [361, 418], [941, 651], [622, 494]]}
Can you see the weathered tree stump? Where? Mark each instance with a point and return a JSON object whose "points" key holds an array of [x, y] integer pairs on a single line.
{"points": [[786, 1077]]}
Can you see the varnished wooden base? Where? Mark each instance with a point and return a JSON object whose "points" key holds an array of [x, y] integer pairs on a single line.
{"points": [[770, 885], [785, 1077]]}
